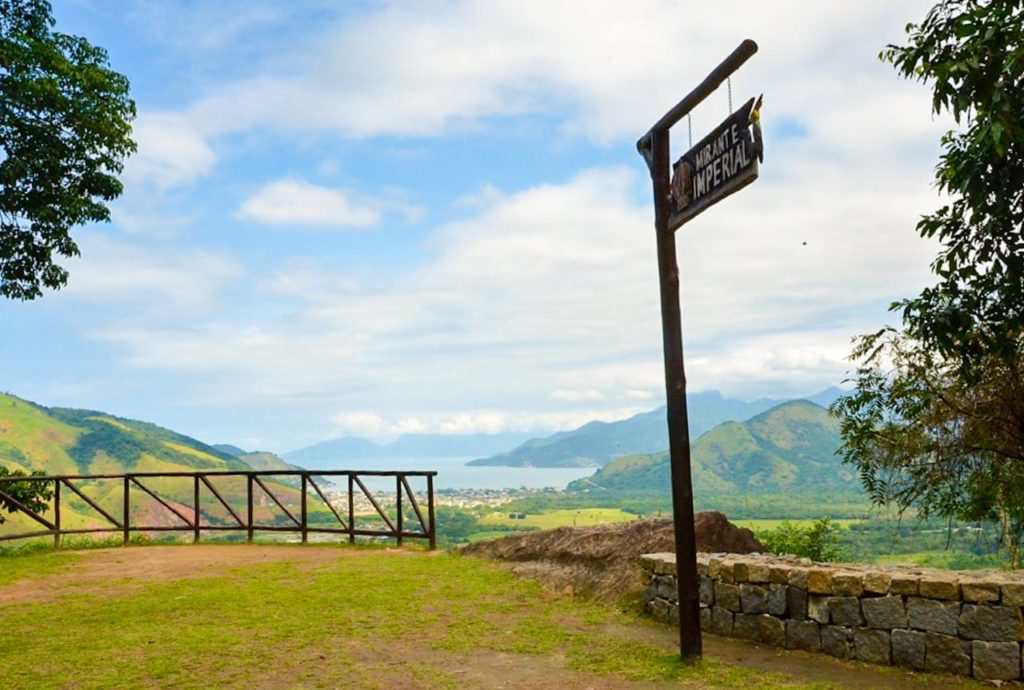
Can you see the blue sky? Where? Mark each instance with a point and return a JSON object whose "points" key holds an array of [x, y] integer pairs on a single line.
{"points": [[372, 218]]}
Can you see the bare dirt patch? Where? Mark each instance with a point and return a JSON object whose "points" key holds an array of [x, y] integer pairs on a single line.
{"points": [[131, 567]]}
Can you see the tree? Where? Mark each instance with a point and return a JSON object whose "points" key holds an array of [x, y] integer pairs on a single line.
{"points": [[818, 541], [937, 419], [973, 52], [924, 436], [65, 126], [34, 495]]}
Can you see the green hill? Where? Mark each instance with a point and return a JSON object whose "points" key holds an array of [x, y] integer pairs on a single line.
{"points": [[598, 443], [790, 447], [68, 441]]}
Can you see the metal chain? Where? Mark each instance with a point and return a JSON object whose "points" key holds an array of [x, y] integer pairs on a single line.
{"points": [[728, 83], [689, 128]]}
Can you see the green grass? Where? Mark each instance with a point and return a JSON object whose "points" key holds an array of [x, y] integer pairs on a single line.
{"points": [[374, 619], [767, 524], [948, 560], [548, 519], [26, 565]]}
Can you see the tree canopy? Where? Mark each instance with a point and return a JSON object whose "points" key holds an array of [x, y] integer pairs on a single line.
{"points": [[34, 495], [65, 129], [937, 419], [972, 53]]}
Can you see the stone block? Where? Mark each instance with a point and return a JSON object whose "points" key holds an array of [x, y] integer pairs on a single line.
{"points": [[707, 591], [798, 578], [884, 613], [817, 609], [947, 654], [778, 573], [771, 631], [758, 572], [995, 660], [666, 564], [819, 581], [777, 599], [720, 569], [673, 614], [666, 587], [745, 626], [979, 591], [872, 646], [796, 602], [1012, 594], [650, 594], [904, 583], [877, 582], [727, 596], [994, 623], [908, 648], [721, 621], [803, 635], [662, 563], [933, 616], [739, 571], [659, 610], [705, 618], [845, 611], [940, 586], [702, 564], [837, 641], [847, 584], [753, 598]]}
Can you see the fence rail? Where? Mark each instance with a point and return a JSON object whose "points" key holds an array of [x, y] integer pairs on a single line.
{"points": [[400, 525]]}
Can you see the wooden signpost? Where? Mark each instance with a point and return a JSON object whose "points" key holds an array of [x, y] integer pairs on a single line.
{"points": [[722, 163]]}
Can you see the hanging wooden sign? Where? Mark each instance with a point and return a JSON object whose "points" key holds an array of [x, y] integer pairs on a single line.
{"points": [[721, 163]]}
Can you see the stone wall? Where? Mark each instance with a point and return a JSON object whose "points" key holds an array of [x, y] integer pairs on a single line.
{"points": [[968, 623]]}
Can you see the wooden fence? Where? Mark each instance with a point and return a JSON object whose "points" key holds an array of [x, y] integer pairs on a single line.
{"points": [[401, 524]]}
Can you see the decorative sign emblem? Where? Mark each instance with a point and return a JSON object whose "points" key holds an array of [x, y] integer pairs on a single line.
{"points": [[720, 164]]}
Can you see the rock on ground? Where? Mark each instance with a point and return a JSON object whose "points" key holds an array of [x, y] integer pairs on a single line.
{"points": [[602, 561]]}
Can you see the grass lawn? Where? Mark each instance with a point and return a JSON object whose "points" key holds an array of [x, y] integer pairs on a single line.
{"points": [[366, 618], [222, 616], [766, 524], [581, 517]]}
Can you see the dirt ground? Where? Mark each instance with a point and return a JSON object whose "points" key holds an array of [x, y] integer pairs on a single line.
{"points": [[132, 567]]}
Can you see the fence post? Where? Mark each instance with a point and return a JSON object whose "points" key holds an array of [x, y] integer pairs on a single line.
{"points": [[430, 512], [305, 524], [127, 514], [56, 513], [351, 511], [195, 516], [398, 505], [249, 495]]}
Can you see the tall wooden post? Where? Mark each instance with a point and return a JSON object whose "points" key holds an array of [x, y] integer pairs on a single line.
{"points": [[654, 147]]}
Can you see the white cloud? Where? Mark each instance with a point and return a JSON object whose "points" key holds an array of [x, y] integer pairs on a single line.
{"points": [[577, 395], [162, 280], [291, 201], [365, 74], [171, 152], [554, 288]]}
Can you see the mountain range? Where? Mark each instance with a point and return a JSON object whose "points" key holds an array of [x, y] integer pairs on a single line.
{"points": [[790, 447], [598, 443], [337, 452]]}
